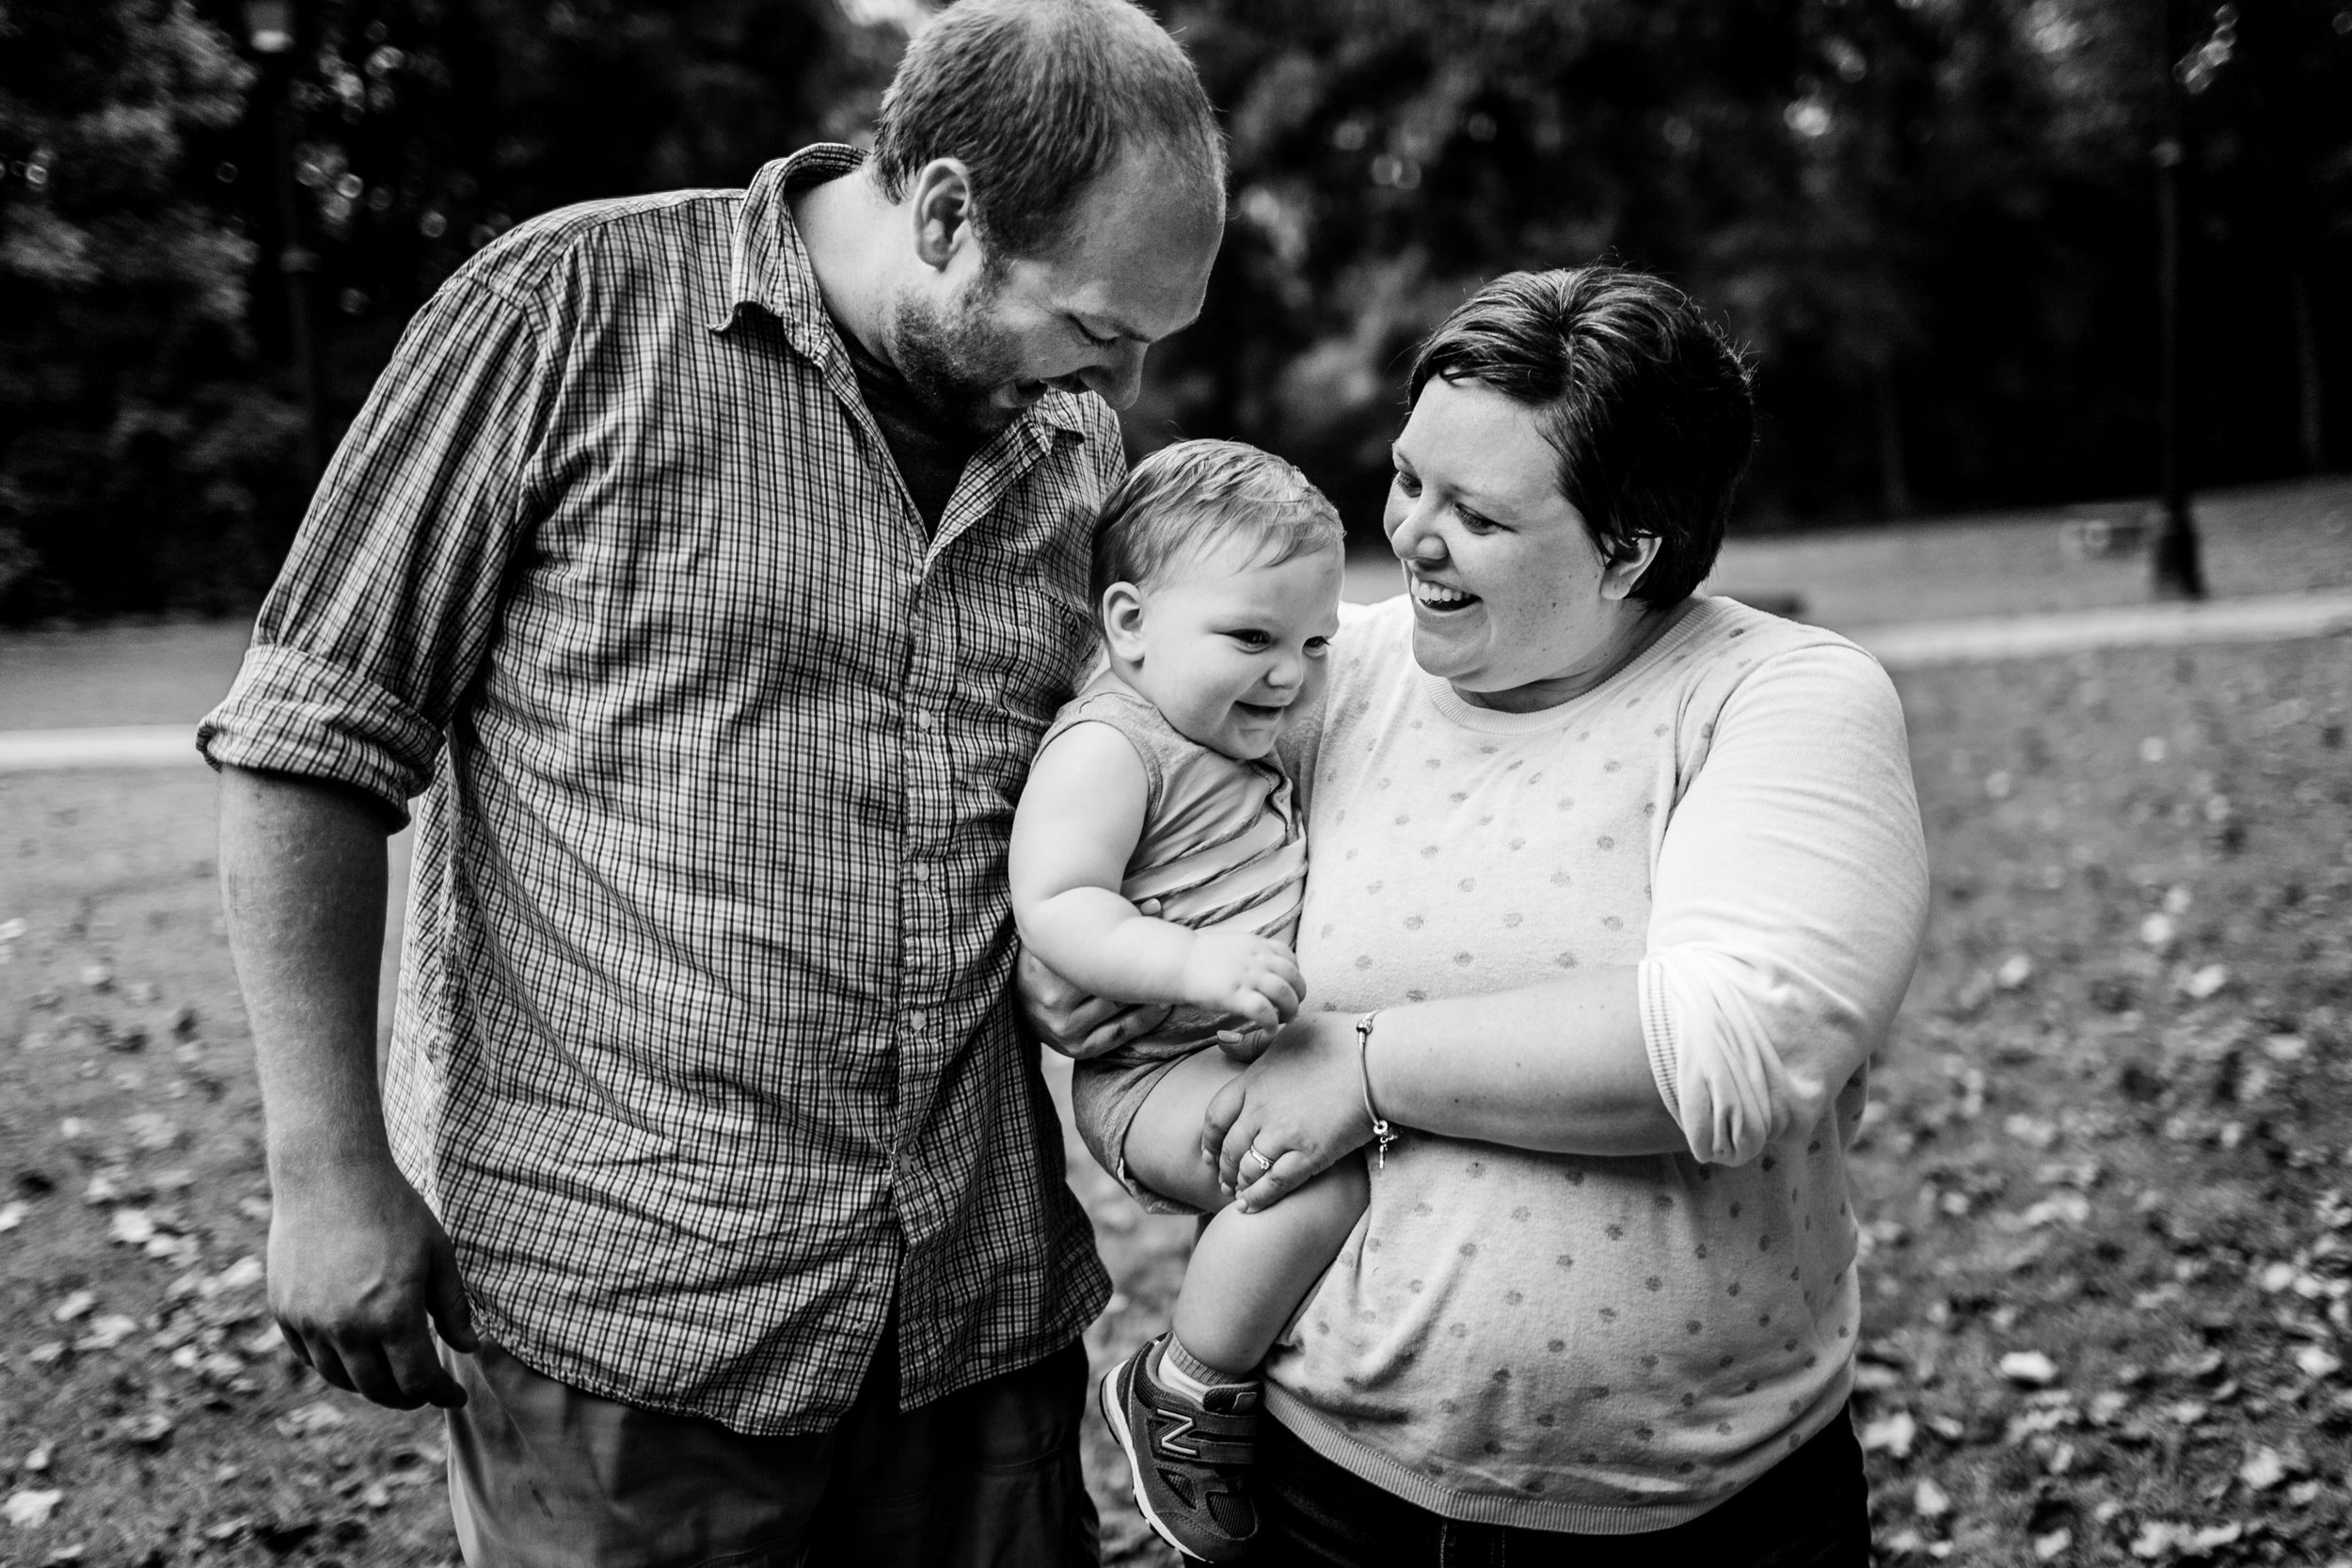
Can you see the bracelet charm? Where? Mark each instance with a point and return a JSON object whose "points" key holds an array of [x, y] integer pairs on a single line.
{"points": [[1383, 1135]]}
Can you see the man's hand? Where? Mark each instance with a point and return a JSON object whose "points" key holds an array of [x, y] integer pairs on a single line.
{"points": [[356, 1266], [1074, 1023], [1244, 975]]}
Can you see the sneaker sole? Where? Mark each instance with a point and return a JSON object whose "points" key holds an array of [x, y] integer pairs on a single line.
{"points": [[1115, 1416]]}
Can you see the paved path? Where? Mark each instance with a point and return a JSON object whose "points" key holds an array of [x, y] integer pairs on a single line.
{"points": [[2269, 618]]}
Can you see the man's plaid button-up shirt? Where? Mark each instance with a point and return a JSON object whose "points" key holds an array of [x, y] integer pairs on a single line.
{"points": [[704, 1051]]}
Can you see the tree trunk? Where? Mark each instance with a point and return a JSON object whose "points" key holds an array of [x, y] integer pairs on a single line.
{"points": [[2308, 405], [1894, 482]]}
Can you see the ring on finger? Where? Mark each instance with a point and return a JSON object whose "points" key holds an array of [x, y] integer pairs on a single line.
{"points": [[1264, 1164]]}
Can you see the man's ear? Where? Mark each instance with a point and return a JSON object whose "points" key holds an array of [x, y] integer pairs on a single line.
{"points": [[1630, 559], [1122, 622], [940, 199]]}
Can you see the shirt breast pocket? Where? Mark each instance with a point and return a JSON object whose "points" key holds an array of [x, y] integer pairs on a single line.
{"points": [[1037, 653]]}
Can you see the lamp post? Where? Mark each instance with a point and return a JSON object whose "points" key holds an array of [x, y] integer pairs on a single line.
{"points": [[269, 26]]}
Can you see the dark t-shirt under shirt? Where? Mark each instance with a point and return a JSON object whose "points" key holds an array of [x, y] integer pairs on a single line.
{"points": [[929, 452]]}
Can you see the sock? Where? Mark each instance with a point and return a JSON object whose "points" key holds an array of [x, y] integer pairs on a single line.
{"points": [[1185, 1373]]}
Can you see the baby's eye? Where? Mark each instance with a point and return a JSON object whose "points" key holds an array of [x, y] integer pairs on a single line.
{"points": [[1253, 639], [1319, 646]]}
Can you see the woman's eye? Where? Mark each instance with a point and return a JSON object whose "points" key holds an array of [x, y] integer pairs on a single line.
{"points": [[1473, 522]]}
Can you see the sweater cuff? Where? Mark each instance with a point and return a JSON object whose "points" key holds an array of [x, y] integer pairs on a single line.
{"points": [[1658, 1035]]}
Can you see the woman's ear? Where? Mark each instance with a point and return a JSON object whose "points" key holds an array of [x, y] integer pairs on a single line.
{"points": [[1627, 563], [1123, 610], [939, 200]]}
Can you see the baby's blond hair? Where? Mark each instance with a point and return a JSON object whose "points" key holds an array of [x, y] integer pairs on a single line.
{"points": [[1189, 498]]}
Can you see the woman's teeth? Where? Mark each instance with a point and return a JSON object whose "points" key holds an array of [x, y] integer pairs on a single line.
{"points": [[1438, 597]]}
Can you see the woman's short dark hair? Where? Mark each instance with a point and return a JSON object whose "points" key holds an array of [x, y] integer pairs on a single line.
{"points": [[1039, 98], [1646, 400]]}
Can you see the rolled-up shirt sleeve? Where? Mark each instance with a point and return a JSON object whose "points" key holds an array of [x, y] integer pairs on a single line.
{"points": [[1789, 902], [382, 614]]}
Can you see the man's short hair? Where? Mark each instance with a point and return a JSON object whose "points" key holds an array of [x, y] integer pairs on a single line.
{"points": [[1646, 400], [1188, 500], [1039, 98]]}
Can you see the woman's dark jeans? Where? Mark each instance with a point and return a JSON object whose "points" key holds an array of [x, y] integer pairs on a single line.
{"points": [[1810, 1511]]}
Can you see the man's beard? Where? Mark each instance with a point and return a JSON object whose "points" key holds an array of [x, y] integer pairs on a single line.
{"points": [[953, 359]]}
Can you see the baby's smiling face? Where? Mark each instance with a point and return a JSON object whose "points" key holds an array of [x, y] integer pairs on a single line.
{"points": [[1227, 646]]}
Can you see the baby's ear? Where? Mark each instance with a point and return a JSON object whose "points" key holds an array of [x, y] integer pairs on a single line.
{"points": [[1122, 610]]}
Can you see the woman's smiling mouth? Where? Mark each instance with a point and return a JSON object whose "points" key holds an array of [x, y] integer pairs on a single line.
{"points": [[1437, 595]]}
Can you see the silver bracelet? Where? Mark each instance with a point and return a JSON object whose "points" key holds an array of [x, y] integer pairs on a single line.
{"points": [[1383, 1135]]}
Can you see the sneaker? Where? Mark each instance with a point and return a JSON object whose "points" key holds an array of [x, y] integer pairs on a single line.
{"points": [[1187, 1461]]}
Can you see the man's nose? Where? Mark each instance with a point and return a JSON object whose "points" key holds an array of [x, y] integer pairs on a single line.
{"points": [[1117, 378]]}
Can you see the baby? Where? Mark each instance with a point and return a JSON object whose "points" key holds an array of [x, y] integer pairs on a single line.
{"points": [[1217, 579]]}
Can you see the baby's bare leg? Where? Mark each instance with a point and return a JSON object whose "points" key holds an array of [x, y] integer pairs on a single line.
{"points": [[1249, 1272]]}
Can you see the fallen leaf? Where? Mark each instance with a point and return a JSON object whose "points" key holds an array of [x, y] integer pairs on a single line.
{"points": [[1929, 1501], [11, 930], [107, 1332], [1891, 1433], [37, 1461], [243, 1275], [133, 1226], [151, 1131], [27, 1509], [2317, 1361], [2203, 983], [12, 1215], [2047, 1547], [2264, 1470], [2216, 1535], [2156, 931], [98, 976], [2030, 1368], [148, 1431], [2014, 972], [311, 1420], [73, 1306]]}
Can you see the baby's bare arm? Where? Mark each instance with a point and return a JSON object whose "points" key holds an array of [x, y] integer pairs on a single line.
{"points": [[1079, 820]]}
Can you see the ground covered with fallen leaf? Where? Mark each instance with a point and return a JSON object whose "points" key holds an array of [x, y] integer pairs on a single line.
{"points": [[2106, 1179]]}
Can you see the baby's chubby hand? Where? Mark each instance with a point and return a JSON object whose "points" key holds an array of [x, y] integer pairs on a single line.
{"points": [[1242, 974]]}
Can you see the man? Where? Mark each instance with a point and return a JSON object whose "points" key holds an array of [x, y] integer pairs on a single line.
{"points": [[710, 562]]}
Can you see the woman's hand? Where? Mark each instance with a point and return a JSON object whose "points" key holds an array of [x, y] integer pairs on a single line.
{"points": [[1289, 1114], [1073, 1022]]}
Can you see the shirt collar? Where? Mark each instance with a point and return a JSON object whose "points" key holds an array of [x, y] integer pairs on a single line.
{"points": [[769, 269]]}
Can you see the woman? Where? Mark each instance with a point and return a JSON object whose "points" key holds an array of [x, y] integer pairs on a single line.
{"points": [[1615, 888]]}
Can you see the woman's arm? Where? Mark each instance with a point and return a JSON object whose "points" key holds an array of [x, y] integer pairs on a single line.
{"points": [[1786, 911], [1080, 816]]}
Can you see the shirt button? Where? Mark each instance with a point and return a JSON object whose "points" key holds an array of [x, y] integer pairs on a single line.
{"points": [[923, 718], [917, 1022]]}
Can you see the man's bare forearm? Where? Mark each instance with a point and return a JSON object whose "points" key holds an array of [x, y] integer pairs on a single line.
{"points": [[303, 881]]}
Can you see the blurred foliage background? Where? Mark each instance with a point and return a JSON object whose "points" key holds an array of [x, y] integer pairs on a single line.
{"points": [[1935, 221]]}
